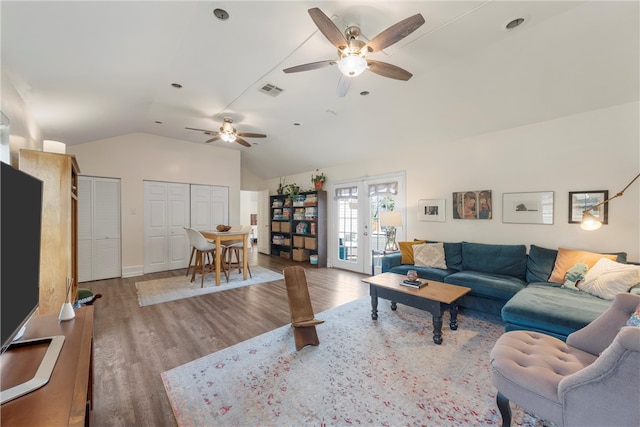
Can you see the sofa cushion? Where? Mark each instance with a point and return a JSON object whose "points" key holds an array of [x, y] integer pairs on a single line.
{"points": [[540, 263], [452, 254], [567, 258], [428, 273], [495, 286], [429, 255], [508, 260], [549, 307], [607, 278], [406, 249]]}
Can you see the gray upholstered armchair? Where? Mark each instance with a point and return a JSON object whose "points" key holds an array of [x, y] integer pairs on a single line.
{"points": [[591, 380]]}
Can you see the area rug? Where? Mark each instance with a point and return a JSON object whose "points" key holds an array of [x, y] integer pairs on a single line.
{"points": [[172, 288], [386, 372]]}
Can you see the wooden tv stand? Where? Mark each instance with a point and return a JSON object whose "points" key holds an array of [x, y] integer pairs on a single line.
{"points": [[66, 398]]}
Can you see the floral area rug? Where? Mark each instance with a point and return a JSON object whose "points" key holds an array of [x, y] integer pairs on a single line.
{"points": [[172, 288], [387, 372]]}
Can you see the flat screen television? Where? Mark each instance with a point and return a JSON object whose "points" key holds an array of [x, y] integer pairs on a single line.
{"points": [[20, 228]]}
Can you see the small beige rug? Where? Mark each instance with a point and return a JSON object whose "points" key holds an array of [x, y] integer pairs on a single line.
{"points": [[157, 291]]}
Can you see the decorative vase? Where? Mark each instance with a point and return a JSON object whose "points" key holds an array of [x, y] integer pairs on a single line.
{"points": [[318, 185], [279, 190]]}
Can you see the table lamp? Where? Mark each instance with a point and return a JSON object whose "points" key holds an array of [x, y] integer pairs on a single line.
{"points": [[590, 222], [391, 220]]}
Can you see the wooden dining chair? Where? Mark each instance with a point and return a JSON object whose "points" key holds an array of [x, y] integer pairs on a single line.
{"points": [[303, 320], [234, 249]]}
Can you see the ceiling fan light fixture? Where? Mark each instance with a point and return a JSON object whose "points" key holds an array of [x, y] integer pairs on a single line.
{"points": [[352, 65], [227, 137]]}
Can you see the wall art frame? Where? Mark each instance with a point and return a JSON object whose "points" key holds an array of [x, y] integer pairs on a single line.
{"points": [[472, 204], [431, 210], [580, 201], [528, 208]]}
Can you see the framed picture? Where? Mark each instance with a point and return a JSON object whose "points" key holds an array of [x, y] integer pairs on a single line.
{"points": [[528, 208], [431, 210], [580, 201], [472, 205]]}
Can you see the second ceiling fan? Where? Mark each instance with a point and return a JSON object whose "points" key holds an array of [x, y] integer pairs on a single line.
{"points": [[228, 133], [352, 51]]}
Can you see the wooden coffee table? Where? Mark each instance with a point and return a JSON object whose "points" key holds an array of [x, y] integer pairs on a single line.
{"points": [[435, 298]]}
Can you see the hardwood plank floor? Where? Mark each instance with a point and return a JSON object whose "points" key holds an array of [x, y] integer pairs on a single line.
{"points": [[133, 344]]}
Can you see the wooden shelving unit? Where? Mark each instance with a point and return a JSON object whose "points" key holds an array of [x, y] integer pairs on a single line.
{"points": [[299, 227], [59, 243]]}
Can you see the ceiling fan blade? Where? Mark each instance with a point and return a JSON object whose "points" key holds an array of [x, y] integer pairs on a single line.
{"points": [[310, 66], [242, 142], [343, 85], [395, 33], [251, 135], [208, 132], [215, 138], [388, 70], [328, 28]]}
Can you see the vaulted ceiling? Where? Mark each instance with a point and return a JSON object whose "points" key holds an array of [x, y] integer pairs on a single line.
{"points": [[92, 70]]}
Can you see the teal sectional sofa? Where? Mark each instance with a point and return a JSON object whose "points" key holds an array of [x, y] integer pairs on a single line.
{"points": [[507, 281]]}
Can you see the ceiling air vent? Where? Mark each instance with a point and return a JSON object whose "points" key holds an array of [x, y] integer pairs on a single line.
{"points": [[272, 90]]}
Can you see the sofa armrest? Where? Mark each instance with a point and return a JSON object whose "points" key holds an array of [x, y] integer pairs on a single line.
{"points": [[390, 261]]}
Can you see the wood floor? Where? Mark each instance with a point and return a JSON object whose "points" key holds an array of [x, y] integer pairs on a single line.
{"points": [[133, 344]]}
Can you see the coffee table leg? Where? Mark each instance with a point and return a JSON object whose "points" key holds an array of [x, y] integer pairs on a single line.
{"points": [[437, 329], [374, 303], [453, 323]]}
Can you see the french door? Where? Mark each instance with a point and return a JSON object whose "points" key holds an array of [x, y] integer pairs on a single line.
{"points": [[355, 218]]}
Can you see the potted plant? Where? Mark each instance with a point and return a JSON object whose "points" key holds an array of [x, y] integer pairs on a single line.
{"points": [[318, 179], [280, 189], [291, 191]]}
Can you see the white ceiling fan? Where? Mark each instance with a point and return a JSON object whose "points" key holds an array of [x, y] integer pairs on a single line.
{"points": [[352, 52], [229, 134]]}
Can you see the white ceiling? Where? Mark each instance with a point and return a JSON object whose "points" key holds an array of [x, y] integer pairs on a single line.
{"points": [[92, 70]]}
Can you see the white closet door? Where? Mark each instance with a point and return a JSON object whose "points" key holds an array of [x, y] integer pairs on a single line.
{"points": [[219, 206], [166, 212], [209, 206], [99, 250], [178, 203], [201, 207], [106, 226], [85, 229], [156, 242]]}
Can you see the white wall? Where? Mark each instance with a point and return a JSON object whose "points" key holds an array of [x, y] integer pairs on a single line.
{"points": [[248, 206], [24, 131], [598, 150], [137, 157]]}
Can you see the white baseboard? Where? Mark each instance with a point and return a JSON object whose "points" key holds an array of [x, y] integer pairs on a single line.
{"points": [[132, 271]]}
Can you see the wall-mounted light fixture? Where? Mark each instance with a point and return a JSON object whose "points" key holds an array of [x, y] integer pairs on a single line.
{"points": [[590, 222]]}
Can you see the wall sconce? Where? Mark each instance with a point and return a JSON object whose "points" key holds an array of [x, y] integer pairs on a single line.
{"points": [[590, 222], [391, 220]]}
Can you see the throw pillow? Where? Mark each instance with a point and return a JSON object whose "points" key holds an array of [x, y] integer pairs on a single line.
{"points": [[574, 275], [607, 278], [634, 320], [429, 255], [567, 258], [406, 250]]}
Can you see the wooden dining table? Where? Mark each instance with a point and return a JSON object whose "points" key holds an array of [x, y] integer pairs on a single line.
{"points": [[224, 236]]}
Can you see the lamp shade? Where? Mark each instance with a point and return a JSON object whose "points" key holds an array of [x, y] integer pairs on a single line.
{"points": [[391, 219], [589, 222]]}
